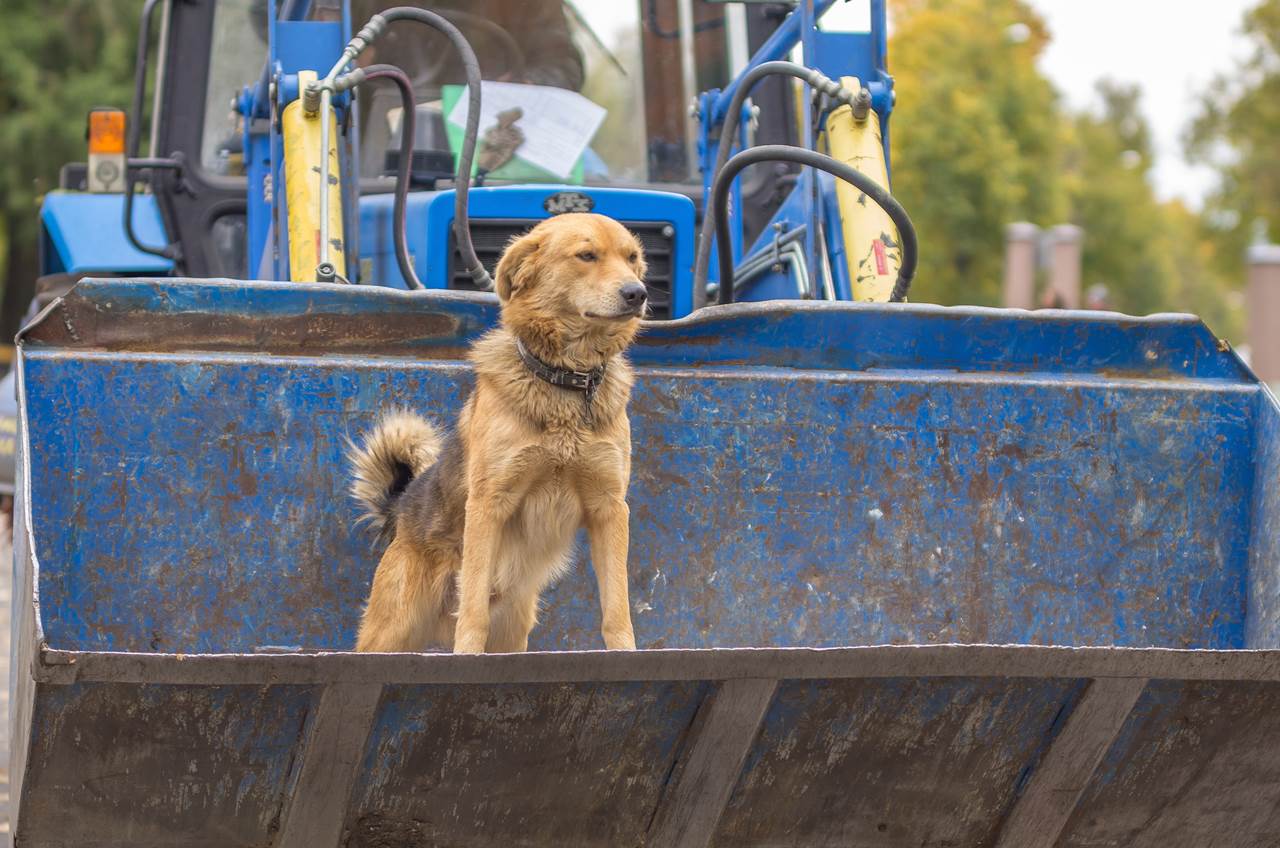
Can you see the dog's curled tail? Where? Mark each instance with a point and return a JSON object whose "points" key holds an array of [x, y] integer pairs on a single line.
{"points": [[401, 446]]}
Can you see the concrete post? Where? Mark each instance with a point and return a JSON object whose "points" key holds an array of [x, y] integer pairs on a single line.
{"points": [[1263, 307], [1066, 242], [1021, 241]]}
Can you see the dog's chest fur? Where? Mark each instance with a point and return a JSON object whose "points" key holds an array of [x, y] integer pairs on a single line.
{"points": [[549, 452]]}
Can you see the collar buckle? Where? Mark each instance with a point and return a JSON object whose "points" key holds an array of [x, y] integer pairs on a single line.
{"points": [[591, 385], [587, 382]]}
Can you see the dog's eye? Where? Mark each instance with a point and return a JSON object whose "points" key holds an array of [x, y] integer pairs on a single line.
{"points": [[633, 257], [587, 256]]}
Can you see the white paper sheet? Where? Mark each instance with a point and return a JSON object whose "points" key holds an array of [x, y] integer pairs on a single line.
{"points": [[557, 124]]}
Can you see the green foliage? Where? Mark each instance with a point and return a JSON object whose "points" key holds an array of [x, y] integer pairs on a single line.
{"points": [[1112, 199], [61, 59], [976, 138], [1236, 131], [1201, 285], [980, 140], [1150, 256]]}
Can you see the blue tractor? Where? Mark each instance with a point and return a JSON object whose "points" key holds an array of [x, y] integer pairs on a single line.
{"points": [[901, 574]]}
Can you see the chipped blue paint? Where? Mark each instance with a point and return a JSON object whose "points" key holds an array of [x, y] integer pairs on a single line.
{"points": [[803, 475], [840, 509], [1264, 554], [993, 570]]}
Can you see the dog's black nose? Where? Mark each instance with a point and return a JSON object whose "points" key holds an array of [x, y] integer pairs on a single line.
{"points": [[634, 295]]}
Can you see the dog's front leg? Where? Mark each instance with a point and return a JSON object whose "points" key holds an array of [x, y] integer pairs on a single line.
{"points": [[608, 527], [475, 584]]}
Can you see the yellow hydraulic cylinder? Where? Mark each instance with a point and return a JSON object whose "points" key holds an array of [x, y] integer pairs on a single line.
{"points": [[871, 243], [302, 190]]}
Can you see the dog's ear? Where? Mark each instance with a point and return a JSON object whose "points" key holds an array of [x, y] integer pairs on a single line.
{"points": [[516, 269], [642, 264]]}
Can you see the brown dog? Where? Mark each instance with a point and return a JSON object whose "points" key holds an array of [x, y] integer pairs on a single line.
{"points": [[481, 521]]}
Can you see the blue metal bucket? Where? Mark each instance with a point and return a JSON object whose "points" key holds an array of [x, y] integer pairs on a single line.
{"points": [[905, 575]]}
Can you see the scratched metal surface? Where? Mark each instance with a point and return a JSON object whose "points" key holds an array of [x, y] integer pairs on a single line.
{"points": [[769, 508], [880, 761], [118, 764], [892, 762], [184, 315], [449, 765], [1263, 614], [1196, 764], [803, 476]]}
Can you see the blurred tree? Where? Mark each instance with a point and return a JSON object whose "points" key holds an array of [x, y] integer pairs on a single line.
{"points": [[980, 140], [976, 138], [61, 60], [1236, 132], [1151, 256], [1200, 284], [1111, 198]]}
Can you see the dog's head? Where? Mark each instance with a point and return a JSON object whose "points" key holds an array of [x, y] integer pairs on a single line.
{"points": [[578, 277]]}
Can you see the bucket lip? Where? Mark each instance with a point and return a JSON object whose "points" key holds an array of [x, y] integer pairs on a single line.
{"points": [[290, 319], [860, 662]]}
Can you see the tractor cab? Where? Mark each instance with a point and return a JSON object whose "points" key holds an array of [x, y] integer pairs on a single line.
{"points": [[621, 109]]}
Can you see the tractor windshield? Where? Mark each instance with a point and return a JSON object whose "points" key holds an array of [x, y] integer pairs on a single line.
{"points": [[607, 54]]}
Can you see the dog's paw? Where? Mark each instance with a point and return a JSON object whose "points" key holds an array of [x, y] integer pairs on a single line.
{"points": [[469, 646], [621, 641]]}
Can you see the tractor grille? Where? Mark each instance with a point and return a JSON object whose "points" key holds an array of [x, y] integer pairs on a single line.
{"points": [[491, 235]]}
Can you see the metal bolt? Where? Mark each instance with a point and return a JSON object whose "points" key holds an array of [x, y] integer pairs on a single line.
{"points": [[311, 98], [326, 272], [861, 104], [668, 231]]}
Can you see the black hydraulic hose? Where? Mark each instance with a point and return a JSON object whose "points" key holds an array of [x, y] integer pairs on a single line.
{"points": [[729, 130], [407, 119], [166, 252], [132, 166], [813, 159], [461, 220]]}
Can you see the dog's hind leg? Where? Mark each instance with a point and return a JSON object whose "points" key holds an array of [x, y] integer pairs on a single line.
{"points": [[406, 603]]}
